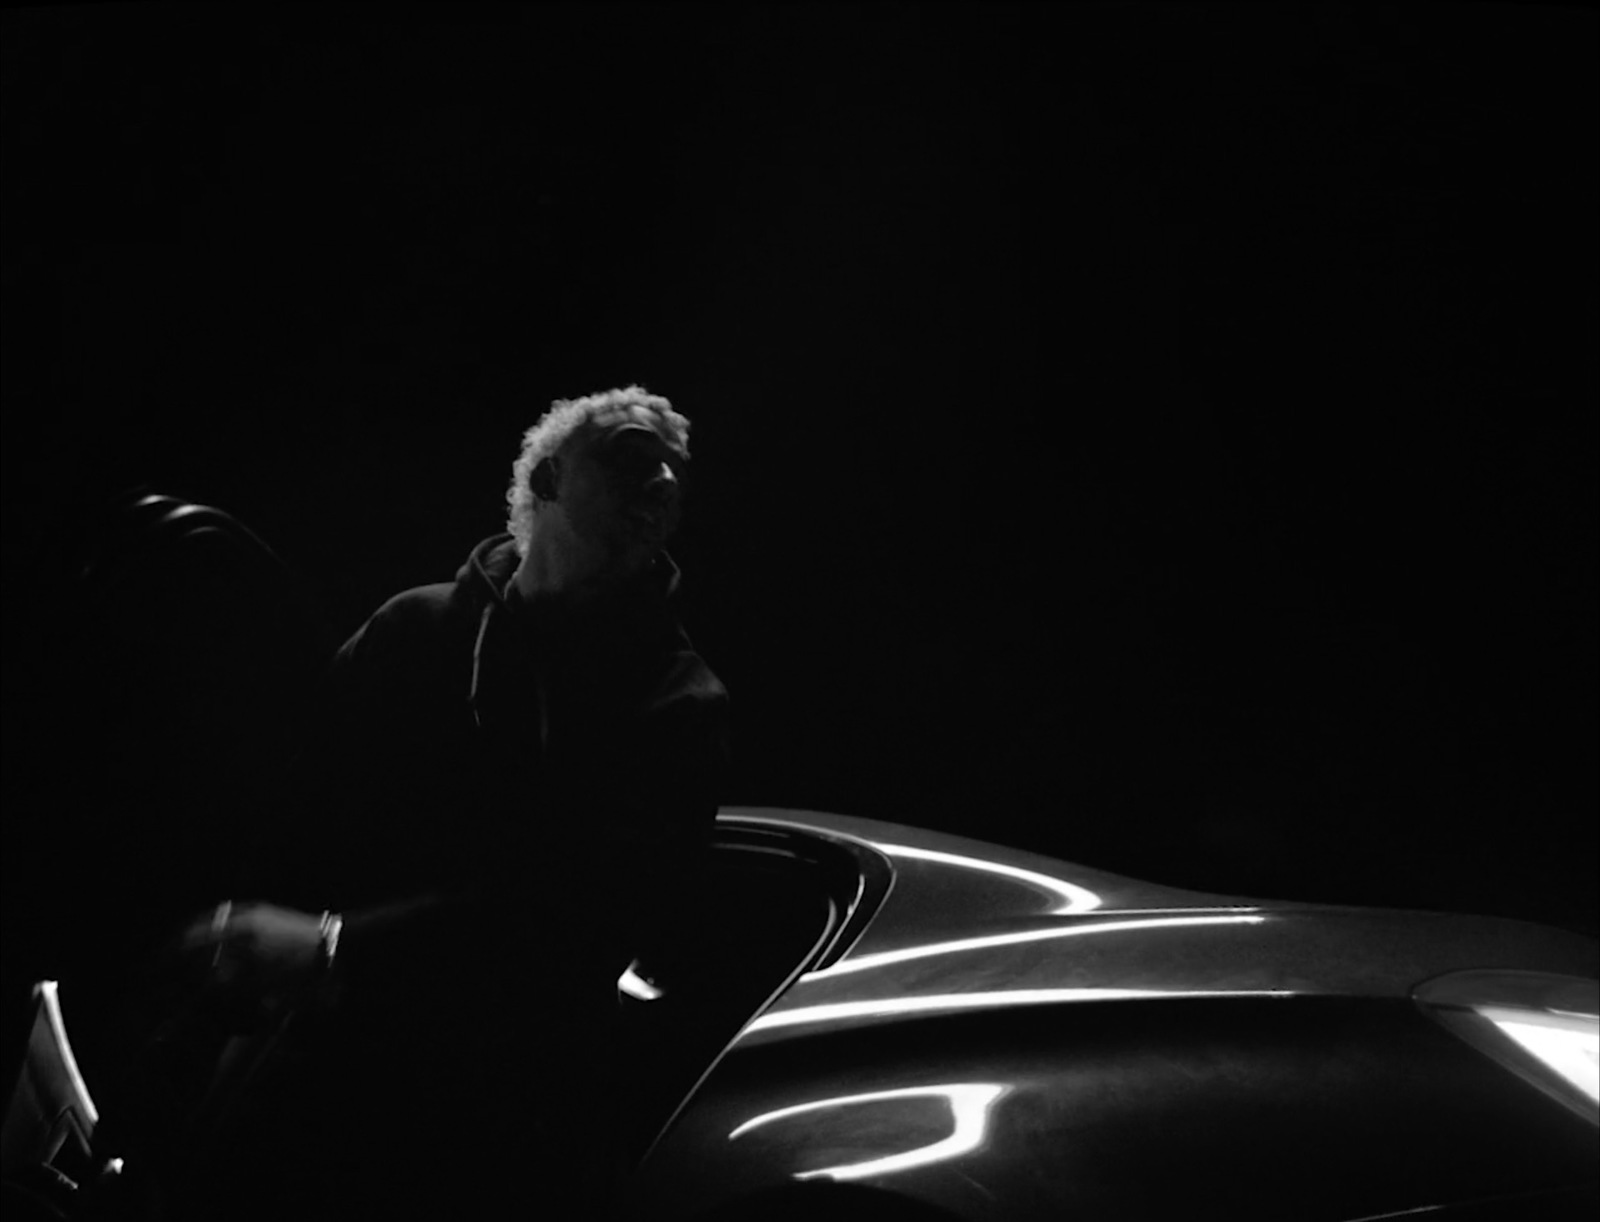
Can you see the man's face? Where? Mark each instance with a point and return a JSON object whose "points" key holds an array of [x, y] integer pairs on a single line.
{"points": [[621, 492]]}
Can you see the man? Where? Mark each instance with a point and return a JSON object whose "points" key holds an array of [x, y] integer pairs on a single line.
{"points": [[521, 770]]}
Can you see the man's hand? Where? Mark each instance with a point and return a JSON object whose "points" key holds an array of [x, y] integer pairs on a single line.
{"points": [[277, 951]]}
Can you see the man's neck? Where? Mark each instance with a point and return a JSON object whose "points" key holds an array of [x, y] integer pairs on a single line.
{"points": [[552, 577]]}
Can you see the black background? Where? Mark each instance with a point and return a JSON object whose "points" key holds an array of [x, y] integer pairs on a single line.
{"points": [[1157, 435]]}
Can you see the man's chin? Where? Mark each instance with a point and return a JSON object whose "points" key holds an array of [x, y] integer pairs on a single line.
{"points": [[627, 561]]}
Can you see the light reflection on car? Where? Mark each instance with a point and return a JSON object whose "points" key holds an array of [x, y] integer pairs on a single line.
{"points": [[856, 1016], [980, 1025]]}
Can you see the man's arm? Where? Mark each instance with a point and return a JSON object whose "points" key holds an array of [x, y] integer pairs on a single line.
{"points": [[284, 952], [322, 848]]}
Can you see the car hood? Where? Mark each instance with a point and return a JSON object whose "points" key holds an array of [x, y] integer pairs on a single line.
{"points": [[970, 925]]}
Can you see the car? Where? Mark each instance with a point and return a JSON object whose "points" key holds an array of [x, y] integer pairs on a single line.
{"points": [[871, 1019]]}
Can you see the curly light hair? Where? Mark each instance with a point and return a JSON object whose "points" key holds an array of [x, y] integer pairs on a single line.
{"points": [[567, 418]]}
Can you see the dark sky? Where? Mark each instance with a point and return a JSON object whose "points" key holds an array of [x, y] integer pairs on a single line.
{"points": [[1161, 435]]}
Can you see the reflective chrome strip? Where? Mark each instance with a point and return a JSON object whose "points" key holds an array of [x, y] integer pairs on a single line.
{"points": [[993, 999]]}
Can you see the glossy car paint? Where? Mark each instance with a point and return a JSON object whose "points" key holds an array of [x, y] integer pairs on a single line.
{"points": [[1005, 1035]]}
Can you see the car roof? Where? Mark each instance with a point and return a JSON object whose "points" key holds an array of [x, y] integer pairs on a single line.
{"points": [[970, 925]]}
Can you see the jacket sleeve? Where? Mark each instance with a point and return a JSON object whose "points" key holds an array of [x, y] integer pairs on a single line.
{"points": [[648, 818], [336, 776], [339, 844]]}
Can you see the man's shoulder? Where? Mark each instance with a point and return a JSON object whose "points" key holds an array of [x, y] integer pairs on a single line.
{"points": [[420, 604], [686, 681], [491, 561], [422, 617]]}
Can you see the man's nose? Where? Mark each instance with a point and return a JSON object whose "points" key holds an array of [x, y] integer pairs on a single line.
{"points": [[662, 486]]}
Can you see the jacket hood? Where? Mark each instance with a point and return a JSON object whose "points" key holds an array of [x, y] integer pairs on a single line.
{"points": [[603, 640], [488, 568], [485, 580]]}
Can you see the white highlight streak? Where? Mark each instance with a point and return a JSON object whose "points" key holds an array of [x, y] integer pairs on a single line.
{"points": [[969, 1109], [1570, 1045], [881, 958], [978, 1001], [48, 990], [1073, 897]]}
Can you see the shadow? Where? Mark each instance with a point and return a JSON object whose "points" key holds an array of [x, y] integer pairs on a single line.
{"points": [[166, 663]]}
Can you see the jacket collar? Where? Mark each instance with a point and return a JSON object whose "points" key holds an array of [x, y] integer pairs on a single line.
{"points": [[635, 611]]}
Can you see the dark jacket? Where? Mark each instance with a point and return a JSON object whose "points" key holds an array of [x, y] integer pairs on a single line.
{"points": [[552, 777]]}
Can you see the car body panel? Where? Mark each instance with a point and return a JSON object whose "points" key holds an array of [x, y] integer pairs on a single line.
{"points": [[1002, 1028], [1215, 1107], [967, 923]]}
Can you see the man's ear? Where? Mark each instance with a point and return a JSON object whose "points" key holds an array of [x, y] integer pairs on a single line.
{"points": [[544, 479]]}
